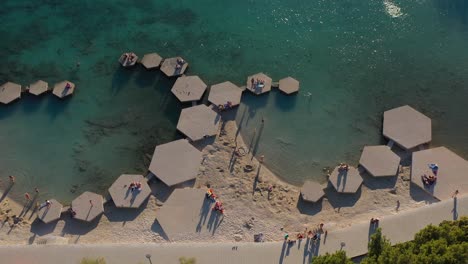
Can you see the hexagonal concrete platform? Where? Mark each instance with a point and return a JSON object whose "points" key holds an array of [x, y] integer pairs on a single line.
{"points": [[407, 127], [9, 92], [61, 91], [151, 61], [224, 92], [346, 181], [188, 213], [189, 88], [312, 191], [289, 85], [123, 196], [255, 87], [379, 161], [198, 122], [452, 173], [126, 62], [169, 67], [38, 87], [175, 162], [88, 206], [48, 214]]}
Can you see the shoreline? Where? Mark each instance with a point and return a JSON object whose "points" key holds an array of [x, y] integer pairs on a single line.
{"points": [[249, 208]]}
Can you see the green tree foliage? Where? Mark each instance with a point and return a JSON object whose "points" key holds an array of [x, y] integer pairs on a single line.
{"points": [[443, 244], [378, 244], [93, 261], [338, 257]]}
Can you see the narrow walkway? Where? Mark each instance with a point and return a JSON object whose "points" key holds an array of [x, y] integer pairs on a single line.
{"points": [[398, 228]]}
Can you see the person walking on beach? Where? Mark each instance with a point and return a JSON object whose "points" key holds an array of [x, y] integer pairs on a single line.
{"points": [[91, 202], [454, 195], [28, 197], [12, 179]]}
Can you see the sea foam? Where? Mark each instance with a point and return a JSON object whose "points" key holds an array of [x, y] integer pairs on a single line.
{"points": [[392, 9]]}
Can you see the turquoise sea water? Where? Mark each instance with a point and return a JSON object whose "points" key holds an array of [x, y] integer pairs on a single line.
{"points": [[353, 58]]}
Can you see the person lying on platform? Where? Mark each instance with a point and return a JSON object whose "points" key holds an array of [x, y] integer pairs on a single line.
{"points": [[428, 180], [343, 167]]}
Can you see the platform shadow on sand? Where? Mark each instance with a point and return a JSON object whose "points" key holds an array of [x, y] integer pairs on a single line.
{"points": [[375, 183], [160, 190], [309, 208], [41, 229], [420, 195], [115, 214], [157, 228], [77, 227], [338, 200]]}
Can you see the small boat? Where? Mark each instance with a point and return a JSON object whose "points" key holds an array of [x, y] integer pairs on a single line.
{"points": [[128, 59]]}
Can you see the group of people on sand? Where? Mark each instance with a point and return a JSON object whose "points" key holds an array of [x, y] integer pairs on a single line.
{"points": [[128, 59], [257, 83], [343, 167], [225, 106], [135, 186], [212, 197], [313, 234]]}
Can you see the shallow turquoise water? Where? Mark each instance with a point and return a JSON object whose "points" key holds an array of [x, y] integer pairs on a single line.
{"points": [[353, 60]]}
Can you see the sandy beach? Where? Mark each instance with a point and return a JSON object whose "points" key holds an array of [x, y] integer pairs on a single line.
{"points": [[249, 208]]}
